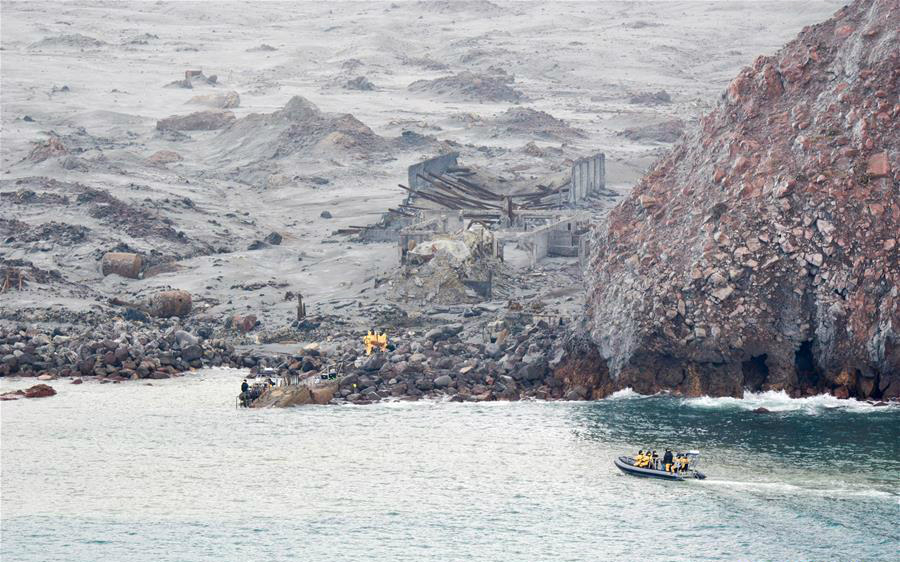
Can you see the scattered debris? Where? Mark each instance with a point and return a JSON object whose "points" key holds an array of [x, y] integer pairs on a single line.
{"points": [[193, 78], [50, 148]]}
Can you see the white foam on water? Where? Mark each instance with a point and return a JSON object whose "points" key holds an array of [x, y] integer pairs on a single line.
{"points": [[791, 489], [625, 394], [779, 401]]}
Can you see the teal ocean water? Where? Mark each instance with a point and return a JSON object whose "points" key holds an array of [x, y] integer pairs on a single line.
{"points": [[174, 472]]}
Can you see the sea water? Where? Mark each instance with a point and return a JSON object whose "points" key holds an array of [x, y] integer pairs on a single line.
{"points": [[173, 471]]}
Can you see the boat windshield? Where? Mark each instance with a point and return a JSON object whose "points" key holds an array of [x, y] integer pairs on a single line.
{"points": [[693, 458]]}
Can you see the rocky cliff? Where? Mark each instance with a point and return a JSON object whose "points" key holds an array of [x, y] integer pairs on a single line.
{"points": [[762, 252]]}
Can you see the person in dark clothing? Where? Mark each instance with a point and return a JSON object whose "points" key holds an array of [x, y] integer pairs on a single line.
{"points": [[667, 461], [245, 394]]}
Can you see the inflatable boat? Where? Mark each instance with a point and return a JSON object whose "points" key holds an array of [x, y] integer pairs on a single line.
{"points": [[626, 465]]}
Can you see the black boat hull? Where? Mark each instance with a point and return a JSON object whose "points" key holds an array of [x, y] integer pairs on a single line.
{"points": [[626, 465]]}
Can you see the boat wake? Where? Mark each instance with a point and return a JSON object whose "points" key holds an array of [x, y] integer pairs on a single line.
{"points": [[784, 488], [776, 401]]}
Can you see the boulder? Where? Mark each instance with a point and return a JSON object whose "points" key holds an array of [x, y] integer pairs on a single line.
{"points": [[162, 157], [39, 391], [443, 381], [374, 362], [442, 333], [191, 353], [185, 339]]}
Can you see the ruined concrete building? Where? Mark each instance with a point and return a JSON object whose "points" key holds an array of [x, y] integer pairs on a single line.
{"points": [[541, 217]]}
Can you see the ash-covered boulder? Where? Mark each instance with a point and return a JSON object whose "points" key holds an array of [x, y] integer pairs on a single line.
{"points": [[225, 100], [468, 86], [666, 131], [762, 251], [533, 123], [360, 83], [197, 121]]}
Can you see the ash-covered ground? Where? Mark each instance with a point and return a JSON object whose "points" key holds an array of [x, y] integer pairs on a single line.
{"points": [[305, 111]]}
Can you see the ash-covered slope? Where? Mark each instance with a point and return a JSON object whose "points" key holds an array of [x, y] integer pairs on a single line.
{"points": [[762, 252]]}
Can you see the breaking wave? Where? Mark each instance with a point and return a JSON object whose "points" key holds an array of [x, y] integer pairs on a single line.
{"points": [[624, 394], [779, 401]]}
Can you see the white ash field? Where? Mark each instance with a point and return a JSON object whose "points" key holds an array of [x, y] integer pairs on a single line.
{"points": [[87, 168]]}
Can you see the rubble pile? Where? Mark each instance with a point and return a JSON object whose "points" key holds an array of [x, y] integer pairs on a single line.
{"points": [[762, 253], [468, 86], [450, 269]]}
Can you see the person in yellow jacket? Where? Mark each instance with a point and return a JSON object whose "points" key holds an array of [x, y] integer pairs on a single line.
{"points": [[644, 460], [370, 340], [382, 341], [638, 457]]}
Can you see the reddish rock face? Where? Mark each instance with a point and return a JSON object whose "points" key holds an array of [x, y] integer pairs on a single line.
{"points": [[762, 251]]}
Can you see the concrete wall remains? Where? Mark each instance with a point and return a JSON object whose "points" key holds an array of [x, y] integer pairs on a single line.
{"points": [[588, 175], [437, 166], [557, 239]]}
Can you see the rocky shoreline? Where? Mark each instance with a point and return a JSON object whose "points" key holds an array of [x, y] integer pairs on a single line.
{"points": [[527, 360]]}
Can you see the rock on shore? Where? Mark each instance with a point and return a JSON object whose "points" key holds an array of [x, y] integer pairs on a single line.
{"points": [[762, 252]]}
